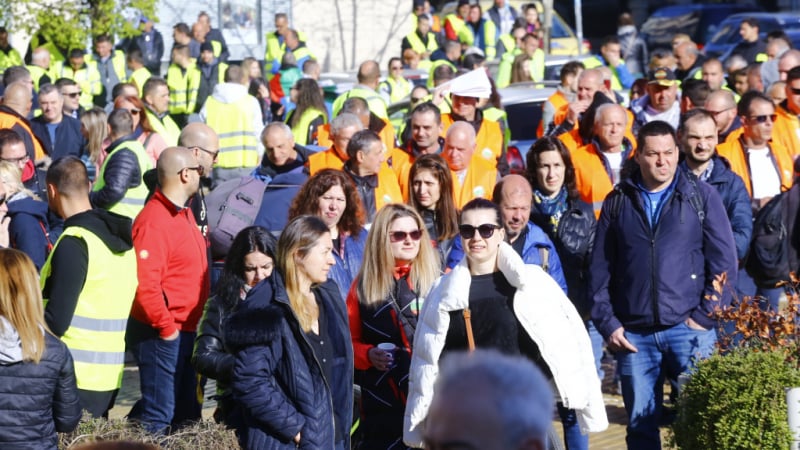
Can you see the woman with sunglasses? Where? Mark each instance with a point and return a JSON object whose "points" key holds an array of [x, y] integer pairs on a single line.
{"points": [[153, 142], [492, 299], [331, 195], [383, 306], [250, 259], [293, 372], [432, 197]]}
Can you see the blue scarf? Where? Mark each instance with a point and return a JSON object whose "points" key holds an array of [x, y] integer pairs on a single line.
{"points": [[553, 208]]}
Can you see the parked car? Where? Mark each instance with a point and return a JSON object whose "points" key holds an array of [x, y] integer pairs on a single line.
{"points": [[523, 105], [727, 35], [699, 21]]}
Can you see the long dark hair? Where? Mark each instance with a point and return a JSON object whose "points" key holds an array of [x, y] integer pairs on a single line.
{"points": [[446, 221], [551, 144], [308, 97], [231, 281]]}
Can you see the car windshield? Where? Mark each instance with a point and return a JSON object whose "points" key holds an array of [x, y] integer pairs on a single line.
{"points": [[523, 119], [660, 30]]}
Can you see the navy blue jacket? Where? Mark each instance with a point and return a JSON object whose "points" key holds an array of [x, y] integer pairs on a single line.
{"points": [[69, 140], [283, 183], [277, 378], [29, 228], [736, 200], [646, 279]]}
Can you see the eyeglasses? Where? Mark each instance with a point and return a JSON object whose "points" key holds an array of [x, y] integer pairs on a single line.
{"points": [[213, 154], [72, 94], [486, 230], [716, 113], [199, 169], [763, 118], [21, 159], [400, 236]]}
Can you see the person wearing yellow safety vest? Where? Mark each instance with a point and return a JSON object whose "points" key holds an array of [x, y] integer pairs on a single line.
{"points": [[236, 117], [423, 8], [56, 53], [214, 36], [449, 55], [276, 44], [119, 187], [530, 47], [82, 72], [611, 56], [455, 24], [40, 68], [752, 48], [481, 33], [298, 48], [8, 55], [212, 73], [690, 61], [369, 74], [139, 73], [156, 102], [92, 258], [421, 40], [111, 66], [395, 87], [509, 47], [310, 112], [183, 81]]}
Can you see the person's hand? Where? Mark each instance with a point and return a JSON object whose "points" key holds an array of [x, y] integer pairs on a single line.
{"points": [[172, 336], [5, 241], [380, 359], [263, 92], [694, 325], [438, 95], [297, 438], [577, 108], [617, 342]]}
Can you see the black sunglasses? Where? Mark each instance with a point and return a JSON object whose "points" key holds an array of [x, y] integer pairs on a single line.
{"points": [[199, 169], [486, 230], [763, 118], [72, 94], [400, 236], [795, 91], [213, 154]]}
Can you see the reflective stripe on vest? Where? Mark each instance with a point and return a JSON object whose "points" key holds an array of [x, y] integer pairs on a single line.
{"points": [[96, 334], [134, 198], [417, 45], [302, 127], [238, 144], [183, 86]]}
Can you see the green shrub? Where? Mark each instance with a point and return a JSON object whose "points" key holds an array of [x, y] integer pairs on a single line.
{"points": [[736, 401], [201, 435]]}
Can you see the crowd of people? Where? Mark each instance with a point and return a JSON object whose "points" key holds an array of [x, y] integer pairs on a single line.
{"points": [[226, 222]]}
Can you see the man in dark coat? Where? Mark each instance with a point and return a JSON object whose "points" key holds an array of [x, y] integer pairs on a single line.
{"points": [[60, 135]]}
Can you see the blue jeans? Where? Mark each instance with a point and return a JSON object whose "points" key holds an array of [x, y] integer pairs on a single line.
{"points": [[166, 378], [597, 348], [770, 297], [665, 353], [573, 439]]}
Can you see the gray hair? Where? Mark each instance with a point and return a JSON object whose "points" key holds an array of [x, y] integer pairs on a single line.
{"points": [[522, 395], [345, 120], [735, 62], [273, 126]]}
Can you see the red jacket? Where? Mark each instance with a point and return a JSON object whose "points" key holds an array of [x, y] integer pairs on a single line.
{"points": [[172, 266]]}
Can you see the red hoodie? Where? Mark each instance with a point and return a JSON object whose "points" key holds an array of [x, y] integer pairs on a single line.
{"points": [[172, 267]]}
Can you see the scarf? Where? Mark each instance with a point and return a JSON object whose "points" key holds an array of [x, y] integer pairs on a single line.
{"points": [[553, 208]]}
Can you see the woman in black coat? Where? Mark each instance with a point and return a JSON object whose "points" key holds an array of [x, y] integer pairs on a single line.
{"points": [[249, 260], [293, 369], [38, 394]]}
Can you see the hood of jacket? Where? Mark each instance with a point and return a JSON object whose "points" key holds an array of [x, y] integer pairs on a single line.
{"points": [[20, 203], [229, 92], [113, 229], [10, 344]]}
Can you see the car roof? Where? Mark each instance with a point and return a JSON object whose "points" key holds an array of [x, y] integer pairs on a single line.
{"points": [[524, 92]]}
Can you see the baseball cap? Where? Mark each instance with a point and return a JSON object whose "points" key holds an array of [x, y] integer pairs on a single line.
{"points": [[662, 76]]}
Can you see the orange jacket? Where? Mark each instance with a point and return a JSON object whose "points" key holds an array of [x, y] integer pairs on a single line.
{"points": [[387, 135], [591, 178], [786, 130], [558, 100], [575, 139], [400, 162], [387, 191], [733, 150], [488, 142], [9, 119], [327, 159], [479, 182]]}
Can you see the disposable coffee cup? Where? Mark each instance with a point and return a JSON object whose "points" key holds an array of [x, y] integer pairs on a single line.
{"points": [[389, 348]]}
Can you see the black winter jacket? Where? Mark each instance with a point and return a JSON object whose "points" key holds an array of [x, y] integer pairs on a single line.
{"points": [[36, 400], [121, 173], [277, 378], [69, 140]]}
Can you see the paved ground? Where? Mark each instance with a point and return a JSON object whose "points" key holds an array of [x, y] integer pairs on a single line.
{"points": [[611, 439]]}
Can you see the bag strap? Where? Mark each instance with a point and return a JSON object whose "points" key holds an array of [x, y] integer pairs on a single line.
{"points": [[408, 328], [468, 324]]}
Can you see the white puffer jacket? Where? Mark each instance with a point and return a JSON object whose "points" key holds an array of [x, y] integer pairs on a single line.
{"points": [[547, 316]]}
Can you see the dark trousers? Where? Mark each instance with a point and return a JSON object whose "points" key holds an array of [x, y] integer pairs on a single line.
{"points": [[97, 403], [166, 377]]}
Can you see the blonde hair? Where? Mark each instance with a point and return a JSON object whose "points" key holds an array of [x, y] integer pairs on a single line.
{"points": [[94, 120], [249, 62], [11, 176], [376, 279], [299, 236], [21, 302]]}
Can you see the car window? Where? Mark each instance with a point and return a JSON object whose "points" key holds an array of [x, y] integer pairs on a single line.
{"points": [[728, 33], [523, 119], [560, 29], [660, 30]]}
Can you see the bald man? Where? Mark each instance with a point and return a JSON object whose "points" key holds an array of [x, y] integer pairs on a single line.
{"points": [[567, 117], [472, 177], [722, 105], [690, 61], [789, 59], [17, 104], [599, 163], [173, 286], [360, 107], [369, 74]]}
